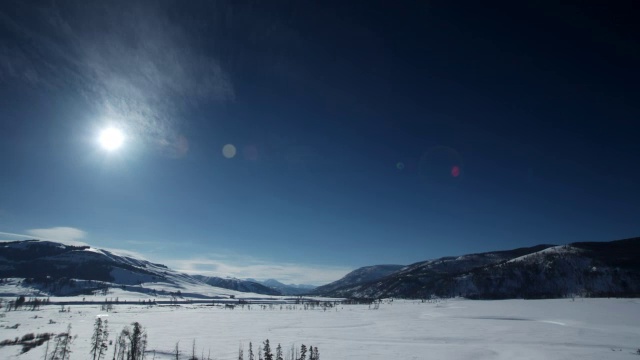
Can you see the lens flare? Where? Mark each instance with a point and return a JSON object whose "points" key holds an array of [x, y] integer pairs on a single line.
{"points": [[229, 151], [455, 171]]}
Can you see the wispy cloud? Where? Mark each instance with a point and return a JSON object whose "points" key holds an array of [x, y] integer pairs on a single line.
{"points": [[247, 267], [137, 66], [60, 233], [123, 252], [63, 234], [68, 236]]}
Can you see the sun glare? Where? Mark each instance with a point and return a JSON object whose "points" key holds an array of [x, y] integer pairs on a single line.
{"points": [[111, 139]]}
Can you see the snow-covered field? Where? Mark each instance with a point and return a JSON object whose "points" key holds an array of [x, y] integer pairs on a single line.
{"points": [[450, 329]]}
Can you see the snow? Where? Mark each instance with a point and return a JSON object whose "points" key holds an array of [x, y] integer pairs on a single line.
{"points": [[450, 329], [561, 249]]}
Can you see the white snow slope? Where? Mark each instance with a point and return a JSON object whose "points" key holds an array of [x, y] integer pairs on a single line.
{"points": [[453, 329]]}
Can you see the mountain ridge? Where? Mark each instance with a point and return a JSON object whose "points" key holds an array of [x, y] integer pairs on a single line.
{"points": [[287, 289], [238, 285], [58, 269], [360, 275], [541, 271]]}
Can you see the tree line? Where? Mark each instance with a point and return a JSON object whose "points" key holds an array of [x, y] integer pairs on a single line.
{"points": [[22, 302], [131, 344], [264, 352]]}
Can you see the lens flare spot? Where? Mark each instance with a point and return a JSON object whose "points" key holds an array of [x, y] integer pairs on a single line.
{"points": [[455, 171], [440, 165], [229, 151]]}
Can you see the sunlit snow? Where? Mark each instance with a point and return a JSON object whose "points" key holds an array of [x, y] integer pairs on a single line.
{"points": [[448, 329]]}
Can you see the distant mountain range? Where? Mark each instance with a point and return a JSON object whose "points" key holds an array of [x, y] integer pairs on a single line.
{"points": [[238, 285], [357, 277], [287, 289], [543, 271]]}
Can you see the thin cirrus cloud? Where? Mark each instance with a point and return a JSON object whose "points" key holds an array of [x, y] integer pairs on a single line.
{"points": [[132, 62], [244, 268], [68, 236], [60, 233], [63, 234]]}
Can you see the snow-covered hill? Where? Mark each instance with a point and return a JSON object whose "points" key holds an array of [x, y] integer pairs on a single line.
{"points": [[42, 268], [544, 271], [46, 268], [358, 277], [238, 285]]}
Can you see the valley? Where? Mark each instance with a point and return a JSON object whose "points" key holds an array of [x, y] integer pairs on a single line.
{"points": [[398, 329]]}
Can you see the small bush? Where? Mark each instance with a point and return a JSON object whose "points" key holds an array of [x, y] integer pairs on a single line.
{"points": [[28, 341]]}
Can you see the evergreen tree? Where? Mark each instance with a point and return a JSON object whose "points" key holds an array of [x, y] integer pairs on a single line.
{"points": [[99, 339], [66, 345], [240, 353], [303, 352], [279, 352], [96, 338], [251, 351], [137, 342], [143, 346], [313, 353], [267, 351], [105, 336], [122, 344]]}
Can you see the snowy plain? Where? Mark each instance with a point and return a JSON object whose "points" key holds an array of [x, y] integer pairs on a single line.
{"points": [[447, 329]]}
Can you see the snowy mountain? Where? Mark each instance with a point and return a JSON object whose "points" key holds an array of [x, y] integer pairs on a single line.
{"points": [[49, 268], [358, 277], [238, 285], [288, 289], [543, 271], [40, 268], [48, 261]]}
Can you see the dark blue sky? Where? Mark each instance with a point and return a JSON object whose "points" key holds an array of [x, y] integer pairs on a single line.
{"points": [[365, 133]]}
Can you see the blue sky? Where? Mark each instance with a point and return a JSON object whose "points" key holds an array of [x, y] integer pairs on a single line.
{"points": [[363, 134]]}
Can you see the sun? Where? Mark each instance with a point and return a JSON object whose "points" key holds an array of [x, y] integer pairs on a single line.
{"points": [[111, 139]]}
